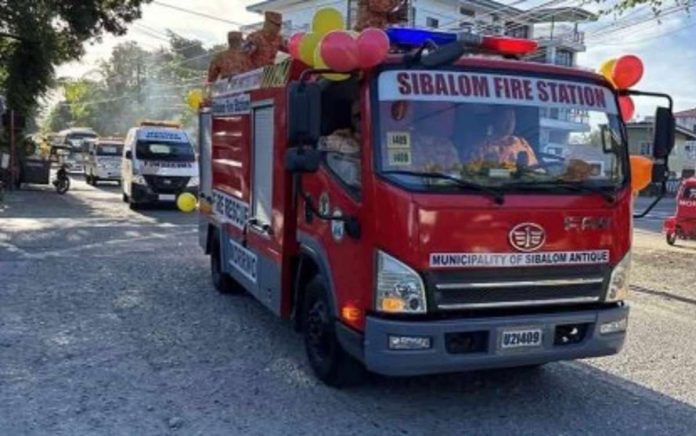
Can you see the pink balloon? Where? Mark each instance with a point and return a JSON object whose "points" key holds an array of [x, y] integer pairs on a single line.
{"points": [[294, 44], [627, 108], [339, 51], [628, 70], [373, 47]]}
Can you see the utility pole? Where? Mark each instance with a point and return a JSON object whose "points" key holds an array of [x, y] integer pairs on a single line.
{"points": [[13, 152]]}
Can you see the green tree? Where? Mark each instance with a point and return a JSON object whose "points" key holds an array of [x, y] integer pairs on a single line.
{"points": [[39, 34]]}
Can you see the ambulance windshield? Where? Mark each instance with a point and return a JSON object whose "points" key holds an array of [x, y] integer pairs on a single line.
{"points": [[165, 151], [497, 130]]}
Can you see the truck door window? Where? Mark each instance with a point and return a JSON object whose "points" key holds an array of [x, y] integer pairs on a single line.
{"points": [[341, 143]]}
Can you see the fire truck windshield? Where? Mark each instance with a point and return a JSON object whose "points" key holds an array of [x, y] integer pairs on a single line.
{"points": [[499, 131]]}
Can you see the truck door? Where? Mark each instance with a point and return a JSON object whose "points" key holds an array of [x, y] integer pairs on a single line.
{"points": [[205, 169]]}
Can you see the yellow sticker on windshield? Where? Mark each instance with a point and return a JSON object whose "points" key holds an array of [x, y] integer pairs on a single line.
{"points": [[399, 157], [399, 140]]}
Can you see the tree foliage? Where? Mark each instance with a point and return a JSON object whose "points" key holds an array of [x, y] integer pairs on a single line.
{"points": [[39, 34], [134, 84]]}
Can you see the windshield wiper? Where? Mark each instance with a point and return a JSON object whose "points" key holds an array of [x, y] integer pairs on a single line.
{"points": [[495, 194], [609, 196]]}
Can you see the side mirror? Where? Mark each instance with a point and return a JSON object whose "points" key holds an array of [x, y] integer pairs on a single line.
{"points": [[663, 143], [304, 113], [302, 160], [129, 155]]}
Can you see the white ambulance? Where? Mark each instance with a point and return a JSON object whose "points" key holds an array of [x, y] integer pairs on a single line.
{"points": [[159, 163]]}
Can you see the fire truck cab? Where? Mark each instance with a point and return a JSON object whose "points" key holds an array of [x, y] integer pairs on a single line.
{"points": [[438, 213]]}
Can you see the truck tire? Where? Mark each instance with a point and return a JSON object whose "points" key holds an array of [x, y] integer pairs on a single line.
{"points": [[671, 237], [222, 282], [329, 361]]}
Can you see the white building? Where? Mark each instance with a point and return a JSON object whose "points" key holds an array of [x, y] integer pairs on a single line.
{"points": [[555, 29], [686, 119]]}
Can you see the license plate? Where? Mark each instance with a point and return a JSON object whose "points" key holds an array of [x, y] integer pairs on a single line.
{"points": [[167, 197], [521, 338]]}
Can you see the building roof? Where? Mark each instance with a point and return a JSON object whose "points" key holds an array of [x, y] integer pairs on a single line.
{"points": [[561, 15], [689, 113], [690, 134]]}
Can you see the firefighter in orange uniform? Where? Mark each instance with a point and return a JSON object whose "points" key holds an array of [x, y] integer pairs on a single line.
{"points": [[380, 13], [263, 45], [230, 62], [501, 146]]}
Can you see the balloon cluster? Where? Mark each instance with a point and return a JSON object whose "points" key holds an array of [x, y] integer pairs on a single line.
{"points": [[330, 46], [623, 73]]}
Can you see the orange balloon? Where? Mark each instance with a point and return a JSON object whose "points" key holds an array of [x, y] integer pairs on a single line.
{"points": [[626, 107], [641, 173], [627, 71]]}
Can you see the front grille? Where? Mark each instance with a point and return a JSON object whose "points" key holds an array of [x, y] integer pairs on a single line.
{"points": [[166, 185], [518, 287]]}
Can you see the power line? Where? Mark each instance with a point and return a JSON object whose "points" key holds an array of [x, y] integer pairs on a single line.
{"points": [[200, 14]]}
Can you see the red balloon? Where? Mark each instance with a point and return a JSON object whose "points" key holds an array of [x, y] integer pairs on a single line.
{"points": [[626, 107], [339, 51], [373, 47], [294, 44], [628, 70]]}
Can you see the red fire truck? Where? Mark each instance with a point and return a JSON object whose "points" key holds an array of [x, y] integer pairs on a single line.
{"points": [[441, 212]]}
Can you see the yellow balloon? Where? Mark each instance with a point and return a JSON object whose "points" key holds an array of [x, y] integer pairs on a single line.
{"points": [[308, 45], [319, 64], [607, 69], [186, 202], [194, 98], [327, 19]]}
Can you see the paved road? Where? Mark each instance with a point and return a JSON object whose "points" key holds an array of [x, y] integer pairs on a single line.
{"points": [[653, 221], [108, 324]]}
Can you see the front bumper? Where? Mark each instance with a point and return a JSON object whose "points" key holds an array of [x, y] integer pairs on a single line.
{"points": [[144, 194], [109, 175], [373, 348]]}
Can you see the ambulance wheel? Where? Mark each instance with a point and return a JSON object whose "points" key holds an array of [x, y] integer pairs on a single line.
{"points": [[222, 282], [125, 198], [329, 361], [88, 179], [671, 238]]}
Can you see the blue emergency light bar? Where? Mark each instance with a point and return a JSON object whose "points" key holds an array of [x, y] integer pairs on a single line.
{"points": [[408, 37]]}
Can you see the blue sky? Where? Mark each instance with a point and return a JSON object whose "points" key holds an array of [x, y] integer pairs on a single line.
{"points": [[668, 47]]}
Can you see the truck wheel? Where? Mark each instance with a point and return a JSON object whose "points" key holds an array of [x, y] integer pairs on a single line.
{"points": [[671, 238], [329, 361], [222, 282]]}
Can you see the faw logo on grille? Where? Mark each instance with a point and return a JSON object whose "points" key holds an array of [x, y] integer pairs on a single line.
{"points": [[527, 237]]}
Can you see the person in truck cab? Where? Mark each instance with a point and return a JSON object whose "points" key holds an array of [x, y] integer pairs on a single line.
{"points": [[500, 146], [342, 148], [433, 147]]}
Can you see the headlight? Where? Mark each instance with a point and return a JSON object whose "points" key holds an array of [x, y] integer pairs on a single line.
{"points": [[193, 181], [139, 180], [618, 282], [399, 288]]}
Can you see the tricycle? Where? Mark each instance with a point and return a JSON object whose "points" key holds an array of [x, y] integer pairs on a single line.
{"points": [[683, 224]]}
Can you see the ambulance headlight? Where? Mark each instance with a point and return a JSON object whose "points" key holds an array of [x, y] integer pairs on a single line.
{"points": [[399, 289], [193, 181], [138, 179], [618, 282]]}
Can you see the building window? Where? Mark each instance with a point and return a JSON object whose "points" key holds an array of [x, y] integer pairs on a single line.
{"points": [[432, 22], [646, 148], [467, 12], [515, 30], [564, 57]]}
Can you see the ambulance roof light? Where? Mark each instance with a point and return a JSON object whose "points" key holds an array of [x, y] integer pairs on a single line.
{"points": [[408, 37]]}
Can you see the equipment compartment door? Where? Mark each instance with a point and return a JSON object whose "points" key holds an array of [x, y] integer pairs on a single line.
{"points": [[262, 172]]}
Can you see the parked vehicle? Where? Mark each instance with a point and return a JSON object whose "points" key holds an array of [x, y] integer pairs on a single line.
{"points": [[158, 164], [103, 160], [682, 225], [73, 140], [407, 219]]}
